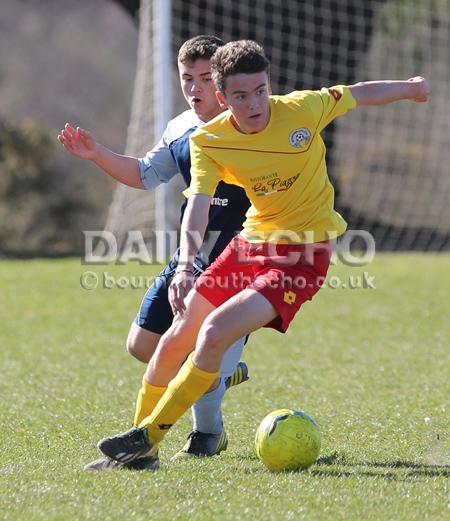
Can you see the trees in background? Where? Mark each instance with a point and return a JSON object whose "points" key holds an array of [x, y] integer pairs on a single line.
{"points": [[43, 206]]}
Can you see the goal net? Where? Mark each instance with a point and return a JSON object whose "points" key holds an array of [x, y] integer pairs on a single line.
{"points": [[389, 165]]}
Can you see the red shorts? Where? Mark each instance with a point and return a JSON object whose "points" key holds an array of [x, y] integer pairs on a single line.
{"points": [[285, 274]]}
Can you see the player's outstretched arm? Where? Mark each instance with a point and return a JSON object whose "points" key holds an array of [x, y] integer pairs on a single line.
{"points": [[387, 91], [193, 227], [81, 144]]}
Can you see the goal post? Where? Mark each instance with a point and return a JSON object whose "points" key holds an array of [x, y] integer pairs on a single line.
{"points": [[389, 165]]}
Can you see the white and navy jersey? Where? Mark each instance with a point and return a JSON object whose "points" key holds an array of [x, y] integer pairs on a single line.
{"points": [[170, 157]]}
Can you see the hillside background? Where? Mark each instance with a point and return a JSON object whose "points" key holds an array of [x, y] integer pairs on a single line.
{"points": [[59, 61]]}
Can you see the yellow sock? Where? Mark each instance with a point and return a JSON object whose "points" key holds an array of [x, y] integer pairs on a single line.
{"points": [[184, 390], [148, 397]]}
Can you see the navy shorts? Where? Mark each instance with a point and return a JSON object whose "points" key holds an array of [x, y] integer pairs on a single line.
{"points": [[155, 313]]}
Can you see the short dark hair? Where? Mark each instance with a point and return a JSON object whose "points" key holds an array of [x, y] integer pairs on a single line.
{"points": [[199, 47], [241, 56]]}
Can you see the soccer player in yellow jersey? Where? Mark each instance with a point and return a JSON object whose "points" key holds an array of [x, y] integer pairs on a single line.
{"points": [[271, 146]]}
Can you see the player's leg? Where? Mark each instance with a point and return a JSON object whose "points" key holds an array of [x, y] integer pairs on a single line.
{"points": [[172, 350], [178, 341], [155, 314], [153, 318], [208, 436], [164, 364], [206, 415], [243, 313], [142, 343], [169, 355], [240, 315]]}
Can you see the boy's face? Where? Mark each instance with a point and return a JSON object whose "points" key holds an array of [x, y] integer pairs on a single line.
{"points": [[247, 97], [198, 88]]}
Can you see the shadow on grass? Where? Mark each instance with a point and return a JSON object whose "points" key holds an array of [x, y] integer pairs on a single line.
{"points": [[398, 469]]}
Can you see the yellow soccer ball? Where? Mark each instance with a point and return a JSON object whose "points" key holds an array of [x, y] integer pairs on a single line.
{"points": [[288, 440]]}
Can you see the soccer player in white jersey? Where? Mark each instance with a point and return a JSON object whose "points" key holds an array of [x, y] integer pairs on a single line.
{"points": [[271, 146], [168, 158]]}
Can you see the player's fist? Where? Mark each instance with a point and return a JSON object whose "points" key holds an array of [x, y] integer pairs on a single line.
{"points": [[420, 89], [78, 142]]}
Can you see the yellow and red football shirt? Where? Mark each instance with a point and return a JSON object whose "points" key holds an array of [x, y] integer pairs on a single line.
{"points": [[282, 168]]}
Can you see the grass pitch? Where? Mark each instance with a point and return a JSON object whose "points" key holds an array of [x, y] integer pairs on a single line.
{"points": [[370, 365]]}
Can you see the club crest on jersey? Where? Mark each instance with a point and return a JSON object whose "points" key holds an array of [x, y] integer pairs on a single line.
{"points": [[300, 137]]}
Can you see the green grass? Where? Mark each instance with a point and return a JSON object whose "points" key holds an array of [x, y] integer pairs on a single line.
{"points": [[371, 366]]}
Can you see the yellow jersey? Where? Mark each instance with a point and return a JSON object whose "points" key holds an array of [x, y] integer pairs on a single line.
{"points": [[282, 168]]}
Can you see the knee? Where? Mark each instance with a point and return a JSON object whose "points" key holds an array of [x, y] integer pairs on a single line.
{"points": [[141, 344], [137, 350], [210, 337], [132, 347]]}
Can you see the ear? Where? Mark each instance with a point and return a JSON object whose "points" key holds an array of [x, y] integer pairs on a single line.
{"points": [[221, 100]]}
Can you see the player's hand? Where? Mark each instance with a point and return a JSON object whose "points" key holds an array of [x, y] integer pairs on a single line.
{"points": [[182, 282], [78, 142], [421, 89]]}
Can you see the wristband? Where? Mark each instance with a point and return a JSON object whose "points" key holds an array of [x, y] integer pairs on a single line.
{"points": [[186, 270]]}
